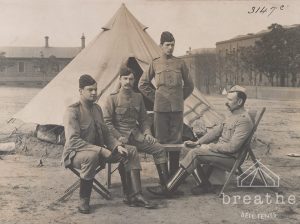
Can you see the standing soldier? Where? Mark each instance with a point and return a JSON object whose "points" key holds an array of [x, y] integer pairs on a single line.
{"points": [[173, 86], [126, 117]]}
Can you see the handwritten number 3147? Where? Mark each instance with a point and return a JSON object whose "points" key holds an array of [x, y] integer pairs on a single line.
{"points": [[263, 10]]}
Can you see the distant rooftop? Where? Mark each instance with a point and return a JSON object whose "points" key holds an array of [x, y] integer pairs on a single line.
{"points": [[253, 35], [201, 50], [45, 51], [37, 52]]}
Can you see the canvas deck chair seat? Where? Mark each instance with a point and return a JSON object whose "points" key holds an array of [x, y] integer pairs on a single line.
{"points": [[97, 186]]}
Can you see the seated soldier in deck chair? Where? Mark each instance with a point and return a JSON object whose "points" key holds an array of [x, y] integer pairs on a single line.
{"points": [[228, 139], [89, 144]]}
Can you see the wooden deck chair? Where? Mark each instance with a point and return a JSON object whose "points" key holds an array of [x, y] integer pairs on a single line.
{"points": [[97, 186], [244, 152], [109, 172]]}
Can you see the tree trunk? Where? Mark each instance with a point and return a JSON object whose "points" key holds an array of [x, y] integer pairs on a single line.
{"points": [[282, 79], [272, 80], [207, 85], [294, 79]]}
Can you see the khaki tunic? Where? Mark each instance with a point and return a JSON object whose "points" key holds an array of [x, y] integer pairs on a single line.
{"points": [[125, 115], [85, 127], [173, 84], [231, 134], [228, 138]]}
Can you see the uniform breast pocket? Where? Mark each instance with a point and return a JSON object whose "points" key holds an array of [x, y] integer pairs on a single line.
{"points": [[173, 78], [120, 112], [135, 112], [159, 78], [230, 130], [99, 127], [84, 128]]}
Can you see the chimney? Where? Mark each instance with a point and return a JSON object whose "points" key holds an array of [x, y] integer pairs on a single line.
{"points": [[82, 41], [46, 41], [188, 52]]}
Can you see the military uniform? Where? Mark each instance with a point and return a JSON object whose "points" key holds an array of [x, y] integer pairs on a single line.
{"points": [[86, 136], [230, 136], [173, 86], [126, 116]]}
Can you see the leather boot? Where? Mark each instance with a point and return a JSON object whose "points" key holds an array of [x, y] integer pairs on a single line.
{"points": [[202, 173], [174, 162], [197, 178], [137, 199], [125, 183], [85, 195], [205, 186], [177, 179], [162, 170]]}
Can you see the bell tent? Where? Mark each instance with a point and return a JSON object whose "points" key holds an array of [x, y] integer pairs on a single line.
{"points": [[122, 40]]}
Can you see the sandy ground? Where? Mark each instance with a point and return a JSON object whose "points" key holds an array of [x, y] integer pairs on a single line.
{"points": [[28, 191]]}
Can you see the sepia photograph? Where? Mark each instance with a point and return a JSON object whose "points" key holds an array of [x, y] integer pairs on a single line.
{"points": [[149, 111]]}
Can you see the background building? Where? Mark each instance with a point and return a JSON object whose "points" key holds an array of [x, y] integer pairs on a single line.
{"points": [[229, 64], [34, 66], [202, 66]]}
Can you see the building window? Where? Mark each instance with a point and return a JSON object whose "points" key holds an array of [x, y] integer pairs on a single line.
{"points": [[2, 68], [55, 68], [37, 69], [21, 66]]}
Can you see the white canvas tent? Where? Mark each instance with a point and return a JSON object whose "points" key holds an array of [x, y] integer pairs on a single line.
{"points": [[122, 37]]}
